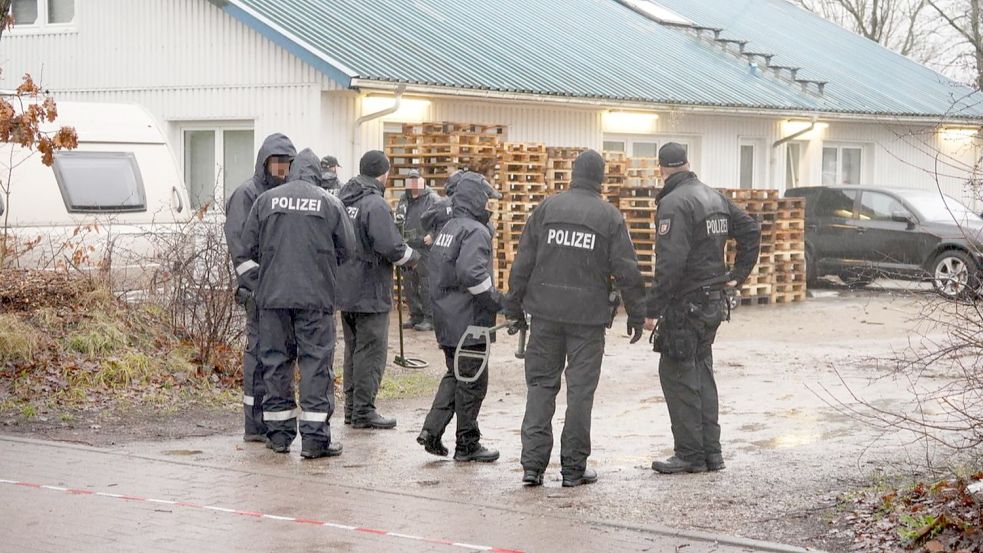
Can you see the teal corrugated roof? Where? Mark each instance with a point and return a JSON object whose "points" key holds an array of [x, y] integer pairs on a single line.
{"points": [[599, 49]]}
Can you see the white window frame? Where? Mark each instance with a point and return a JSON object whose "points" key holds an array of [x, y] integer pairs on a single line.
{"points": [[840, 146], [219, 128], [692, 144], [758, 162], [42, 25]]}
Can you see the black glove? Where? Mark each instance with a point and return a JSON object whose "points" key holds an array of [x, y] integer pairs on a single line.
{"points": [[489, 301], [635, 329], [517, 324]]}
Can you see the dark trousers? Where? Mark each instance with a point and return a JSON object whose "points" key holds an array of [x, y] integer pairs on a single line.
{"points": [[253, 387], [314, 335], [417, 287], [691, 395], [552, 346], [462, 399], [366, 348]]}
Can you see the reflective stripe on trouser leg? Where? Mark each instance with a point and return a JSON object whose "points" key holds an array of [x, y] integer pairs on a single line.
{"points": [[585, 350], [545, 357], [253, 387], [276, 356], [315, 334]]}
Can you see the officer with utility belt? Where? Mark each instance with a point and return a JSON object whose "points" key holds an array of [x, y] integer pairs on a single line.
{"points": [[463, 295], [572, 246], [272, 169], [299, 235], [688, 301]]}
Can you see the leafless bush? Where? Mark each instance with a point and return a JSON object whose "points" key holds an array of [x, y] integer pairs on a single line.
{"points": [[194, 287]]}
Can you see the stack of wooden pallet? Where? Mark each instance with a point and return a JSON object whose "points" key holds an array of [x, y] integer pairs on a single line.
{"points": [[789, 251], [616, 171], [523, 185], [638, 205], [439, 149], [643, 172], [559, 167], [762, 205]]}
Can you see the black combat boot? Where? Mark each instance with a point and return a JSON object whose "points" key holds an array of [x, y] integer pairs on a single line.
{"points": [[432, 444], [316, 451], [532, 478], [589, 476], [475, 453], [675, 465], [715, 462], [374, 421]]}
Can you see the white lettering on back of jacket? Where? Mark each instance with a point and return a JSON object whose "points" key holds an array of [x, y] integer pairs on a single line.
{"points": [[444, 240], [718, 227], [296, 204], [571, 239]]}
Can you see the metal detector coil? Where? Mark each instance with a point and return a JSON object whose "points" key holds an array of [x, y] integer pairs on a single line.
{"points": [[481, 333]]}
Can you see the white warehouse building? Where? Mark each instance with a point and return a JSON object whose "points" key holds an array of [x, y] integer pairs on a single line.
{"points": [[763, 93]]}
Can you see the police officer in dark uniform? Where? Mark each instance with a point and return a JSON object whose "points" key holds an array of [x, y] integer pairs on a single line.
{"points": [[299, 235], [571, 247], [434, 219], [463, 295], [272, 168], [688, 301], [365, 286], [329, 175], [415, 201]]}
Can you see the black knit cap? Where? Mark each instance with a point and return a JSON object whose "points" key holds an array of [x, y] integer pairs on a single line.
{"points": [[588, 169], [672, 154], [373, 164]]}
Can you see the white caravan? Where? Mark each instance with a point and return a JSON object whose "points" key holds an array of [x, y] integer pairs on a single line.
{"points": [[112, 202]]}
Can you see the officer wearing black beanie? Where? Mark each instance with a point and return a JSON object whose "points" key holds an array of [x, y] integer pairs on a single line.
{"points": [[571, 247]]}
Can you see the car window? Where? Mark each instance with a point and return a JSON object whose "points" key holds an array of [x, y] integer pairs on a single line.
{"points": [[100, 182], [836, 203], [875, 206]]}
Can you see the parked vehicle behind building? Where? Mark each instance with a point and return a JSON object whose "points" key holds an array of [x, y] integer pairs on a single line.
{"points": [[105, 204], [864, 233]]}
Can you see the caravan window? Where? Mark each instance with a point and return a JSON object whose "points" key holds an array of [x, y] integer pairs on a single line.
{"points": [[100, 182]]}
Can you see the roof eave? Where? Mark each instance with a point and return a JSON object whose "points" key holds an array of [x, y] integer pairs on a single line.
{"points": [[589, 102]]}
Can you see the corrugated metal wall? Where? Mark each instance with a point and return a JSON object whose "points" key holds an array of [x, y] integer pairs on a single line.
{"points": [[185, 60]]}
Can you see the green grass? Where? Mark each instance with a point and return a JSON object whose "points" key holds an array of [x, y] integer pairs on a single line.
{"points": [[96, 337], [403, 385], [18, 339]]}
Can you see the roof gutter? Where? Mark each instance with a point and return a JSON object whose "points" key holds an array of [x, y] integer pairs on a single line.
{"points": [[357, 131], [795, 135], [605, 103]]}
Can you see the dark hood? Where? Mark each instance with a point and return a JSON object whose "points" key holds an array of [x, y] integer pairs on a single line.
{"points": [[469, 200], [276, 144], [588, 171], [306, 167], [329, 180], [358, 188]]}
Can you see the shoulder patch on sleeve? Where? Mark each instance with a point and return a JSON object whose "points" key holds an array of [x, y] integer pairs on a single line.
{"points": [[665, 226]]}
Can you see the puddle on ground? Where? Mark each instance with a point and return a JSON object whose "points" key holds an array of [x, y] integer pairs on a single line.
{"points": [[182, 452]]}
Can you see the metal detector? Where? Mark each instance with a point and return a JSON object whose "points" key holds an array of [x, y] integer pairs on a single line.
{"points": [[485, 335], [401, 359]]}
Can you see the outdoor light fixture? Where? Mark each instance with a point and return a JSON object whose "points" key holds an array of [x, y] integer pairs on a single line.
{"points": [[631, 122], [803, 129], [411, 110], [959, 133]]}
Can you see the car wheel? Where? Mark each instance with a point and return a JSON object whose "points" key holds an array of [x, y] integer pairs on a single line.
{"points": [[812, 271], [954, 273], [857, 281]]}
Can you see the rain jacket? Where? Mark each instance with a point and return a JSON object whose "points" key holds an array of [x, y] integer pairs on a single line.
{"points": [[366, 281], [460, 267], [241, 202], [299, 235]]}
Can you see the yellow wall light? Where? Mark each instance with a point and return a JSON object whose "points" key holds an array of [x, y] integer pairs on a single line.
{"points": [[960, 133], [411, 110], [632, 122], [795, 126]]}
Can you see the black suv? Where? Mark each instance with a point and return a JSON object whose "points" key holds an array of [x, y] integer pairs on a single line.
{"points": [[862, 233]]}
